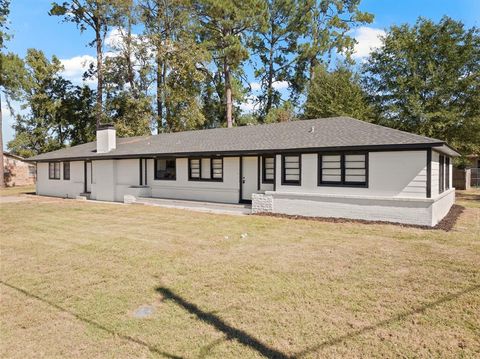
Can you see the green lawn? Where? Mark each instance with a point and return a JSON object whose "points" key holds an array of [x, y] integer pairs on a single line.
{"points": [[74, 273]]}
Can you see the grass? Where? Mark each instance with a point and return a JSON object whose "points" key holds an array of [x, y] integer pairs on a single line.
{"points": [[73, 274], [15, 191]]}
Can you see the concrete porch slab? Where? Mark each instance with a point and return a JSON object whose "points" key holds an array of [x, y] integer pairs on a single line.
{"points": [[199, 206]]}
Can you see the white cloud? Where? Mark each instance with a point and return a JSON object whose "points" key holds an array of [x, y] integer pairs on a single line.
{"points": [[249, 105], [255, 86], [75, 67], [278, 85], [114, 38], [368, 39]]}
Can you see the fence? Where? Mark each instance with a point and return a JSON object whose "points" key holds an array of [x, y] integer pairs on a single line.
{"points": [[475, 177]]}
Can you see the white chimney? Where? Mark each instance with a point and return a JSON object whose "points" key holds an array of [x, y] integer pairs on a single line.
{"points": [[106, 138]]}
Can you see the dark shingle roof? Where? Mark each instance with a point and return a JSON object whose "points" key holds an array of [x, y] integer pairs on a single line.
{"points": [[327, 133]]}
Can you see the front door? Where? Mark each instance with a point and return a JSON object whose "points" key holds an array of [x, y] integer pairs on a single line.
{"points": [[249, 178], [88, 177]]}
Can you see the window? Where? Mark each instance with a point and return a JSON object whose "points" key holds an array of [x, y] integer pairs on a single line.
{"points": [[447, 173], [194, 168], [165, 169], [441, 174], [205, 169], [54, 170], [66, 170], [32, 171], [291, 169], [217, 168], [343, 169], [268, 169]]}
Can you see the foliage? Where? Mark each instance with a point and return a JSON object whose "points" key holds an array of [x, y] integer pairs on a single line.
{"points": [[95, 15], [4, 11], [336, 93], [274, 45], [282, 113], [170, 31], [224, 28], [426, 79], [58, 113], [325, 28]]}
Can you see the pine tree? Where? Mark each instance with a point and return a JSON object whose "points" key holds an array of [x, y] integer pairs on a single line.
{"points": [[225, 27]]}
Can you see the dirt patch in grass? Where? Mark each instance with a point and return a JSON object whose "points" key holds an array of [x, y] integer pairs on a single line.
{"points": [[446, 224]]}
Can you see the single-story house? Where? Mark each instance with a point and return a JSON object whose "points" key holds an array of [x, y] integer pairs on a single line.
{"points": [[16, 171], [332, 167]]}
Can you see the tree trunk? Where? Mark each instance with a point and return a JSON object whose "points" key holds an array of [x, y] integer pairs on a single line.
{"points": [[128, 59], [159, 92], [270, 84], [2, 179], [228, 93], [98, 39]]}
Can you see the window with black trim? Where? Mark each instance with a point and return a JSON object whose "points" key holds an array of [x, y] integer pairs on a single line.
{"points": [[447, 172], [165, 169], [205, 169], [54, 170], [217, 168], [268, 169], [343, 169], [291, 169], [66, 171], [441, 174]]}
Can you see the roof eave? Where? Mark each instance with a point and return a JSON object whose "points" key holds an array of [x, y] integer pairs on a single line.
{"points": [[440, 146]]}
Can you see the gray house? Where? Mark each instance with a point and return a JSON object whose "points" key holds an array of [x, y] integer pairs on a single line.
{"points": [[333, 167]]}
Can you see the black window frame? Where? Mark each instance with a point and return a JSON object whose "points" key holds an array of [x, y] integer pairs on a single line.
{"points": [[214, 179], [286, 182], [447, 173], [54, 170], [155, 177], [342, 182], [66, 174], [441, 174], [200, 178], [264, 170]]}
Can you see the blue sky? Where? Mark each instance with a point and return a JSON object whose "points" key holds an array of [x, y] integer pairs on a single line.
{"points": [[32, 27]]}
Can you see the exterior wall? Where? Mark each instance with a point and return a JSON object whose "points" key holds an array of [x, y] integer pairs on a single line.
{"points": [[410, 211], [60, 188], [395, 174], [226, 191], [104, 174], [442, 205], [396, 192], [17, 172]]}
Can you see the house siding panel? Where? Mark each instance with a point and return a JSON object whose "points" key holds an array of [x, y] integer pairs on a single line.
{"points": [[60, 188], [226, 191]]}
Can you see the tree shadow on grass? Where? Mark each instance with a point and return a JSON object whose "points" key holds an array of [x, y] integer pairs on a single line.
{"points": [[92, 322], [240, 335], [396, 318], [248, 340], [229, 331]]}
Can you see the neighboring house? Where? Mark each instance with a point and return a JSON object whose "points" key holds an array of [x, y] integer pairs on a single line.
{"points": [[16, 171], [334, 167]]}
